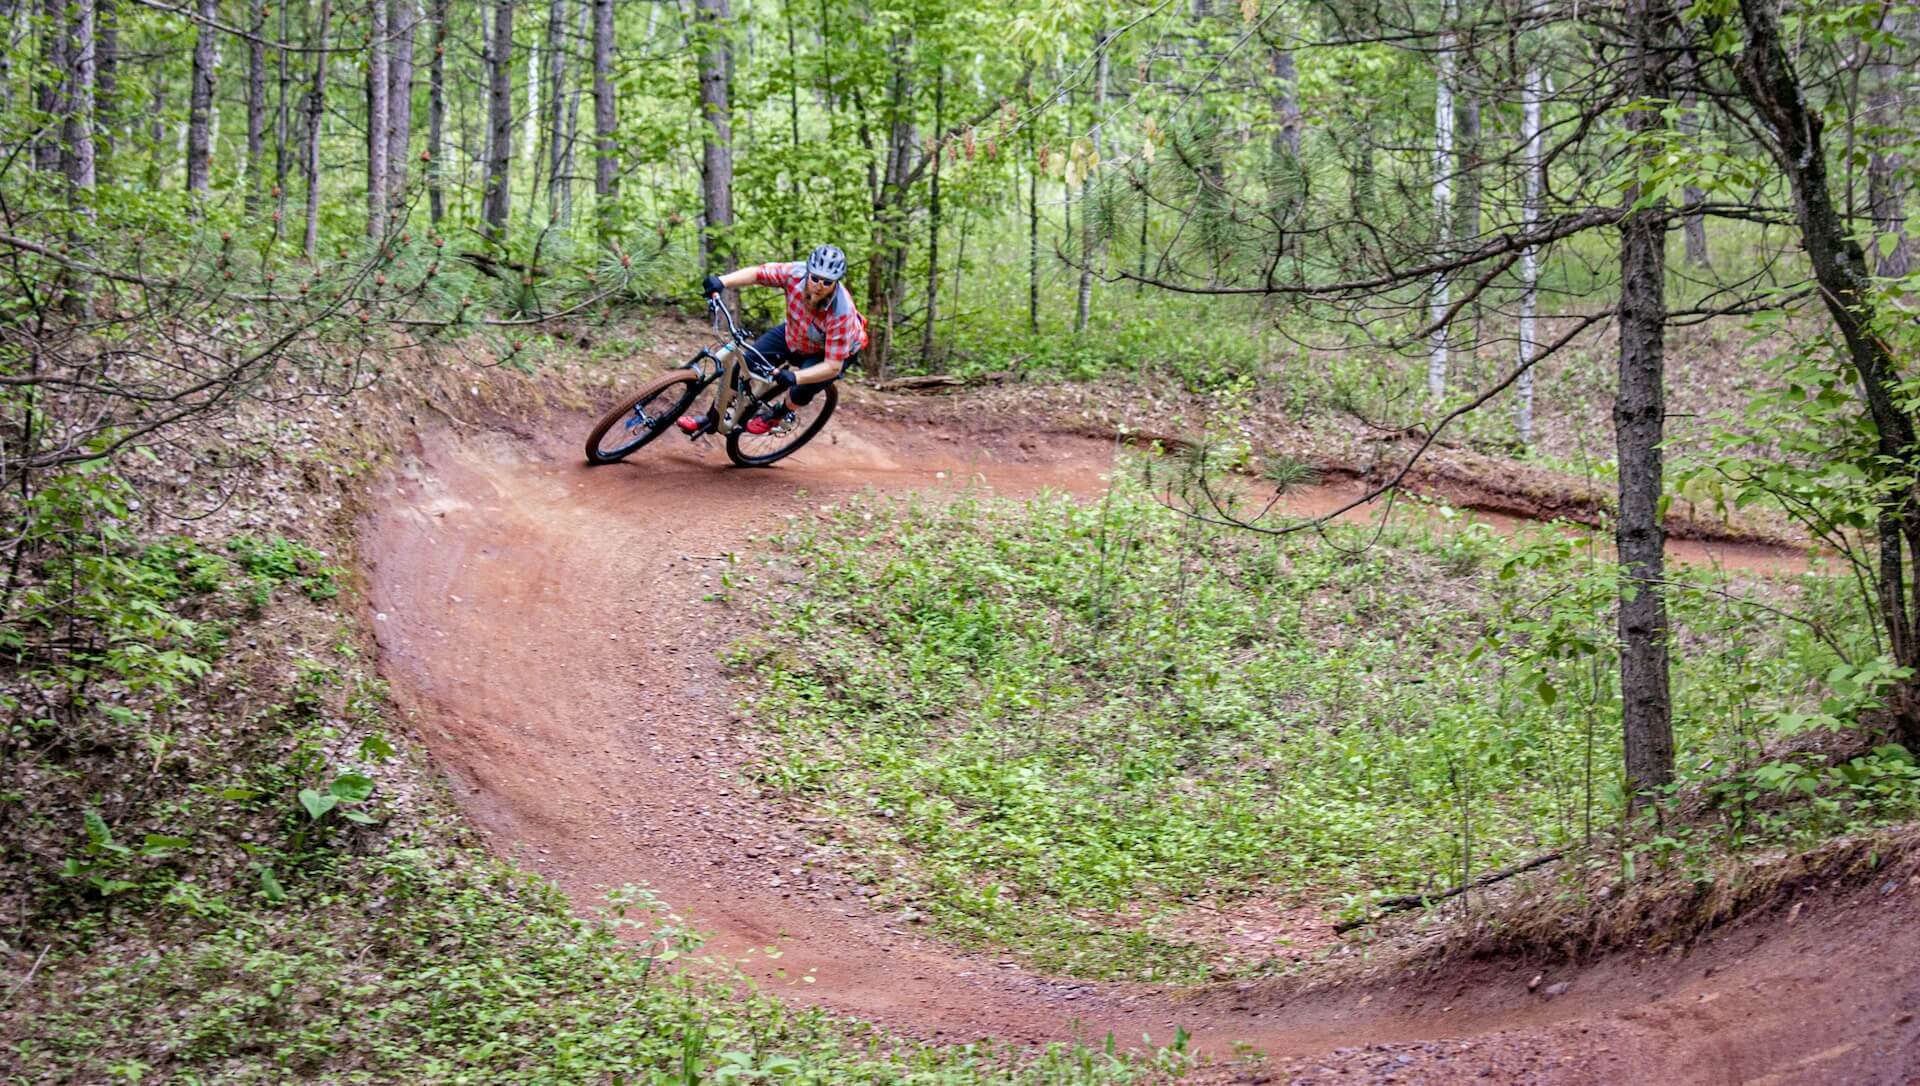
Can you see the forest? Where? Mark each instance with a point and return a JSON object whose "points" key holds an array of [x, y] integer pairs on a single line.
{"points": [[1362, 531]]}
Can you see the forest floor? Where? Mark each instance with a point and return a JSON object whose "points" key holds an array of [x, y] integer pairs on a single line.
{"points": [[555, 633]]}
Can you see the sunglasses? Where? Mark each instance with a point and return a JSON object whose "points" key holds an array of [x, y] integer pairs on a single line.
{"points": [[815, 280]]}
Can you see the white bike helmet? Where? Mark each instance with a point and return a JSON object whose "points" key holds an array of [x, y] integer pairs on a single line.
{"points": [[827, 262]]}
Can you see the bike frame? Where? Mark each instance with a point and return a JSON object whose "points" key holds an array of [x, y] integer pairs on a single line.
{"points": [[740, 392]]}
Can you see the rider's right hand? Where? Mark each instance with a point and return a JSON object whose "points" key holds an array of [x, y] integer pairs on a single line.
{"points": [[713, 286]]}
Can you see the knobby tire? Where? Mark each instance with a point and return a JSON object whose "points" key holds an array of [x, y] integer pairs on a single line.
{"points": [[641, 417], [750, 451]]}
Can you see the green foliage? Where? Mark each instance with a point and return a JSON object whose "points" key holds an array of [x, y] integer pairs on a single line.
{"points": [[1054, 724], [242, 885], [275, 562], [417, 964], [113, 640], [1803, 800]]}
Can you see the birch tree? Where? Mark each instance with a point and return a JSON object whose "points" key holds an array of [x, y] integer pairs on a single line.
{"points": [[1442, 197], [1533, 164]]}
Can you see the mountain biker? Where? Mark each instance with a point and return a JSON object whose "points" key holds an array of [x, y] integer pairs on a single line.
{"points": [[822, 333]]}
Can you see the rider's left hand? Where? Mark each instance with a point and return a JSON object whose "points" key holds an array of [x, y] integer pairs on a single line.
{"points": [[785, 379], [713, 285]]}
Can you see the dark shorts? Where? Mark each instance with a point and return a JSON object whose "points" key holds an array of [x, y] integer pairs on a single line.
{"points": [[773, 344]]}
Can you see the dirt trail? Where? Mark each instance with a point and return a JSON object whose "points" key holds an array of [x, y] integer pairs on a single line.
{"points": [[544, 624]]}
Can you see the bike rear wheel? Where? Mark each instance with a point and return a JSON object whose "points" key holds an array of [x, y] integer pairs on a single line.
{"points": [[759, 450], [641, 417]]}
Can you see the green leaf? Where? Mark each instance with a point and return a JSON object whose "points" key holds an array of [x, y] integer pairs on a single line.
{"points": [[97, 830], [100, 838], [156, 843], [375, 746], [271, 886], [361, 817], [351, 787], [239, 793], [317, 804]]}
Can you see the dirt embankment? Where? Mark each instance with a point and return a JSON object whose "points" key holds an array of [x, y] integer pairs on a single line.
{"points": [[553, 631]]}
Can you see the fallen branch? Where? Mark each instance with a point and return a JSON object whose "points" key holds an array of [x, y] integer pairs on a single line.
{"points": [[939, 381], [15, 990], [1415, 901]]}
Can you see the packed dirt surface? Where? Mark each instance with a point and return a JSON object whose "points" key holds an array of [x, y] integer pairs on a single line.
{"points": [[546, 625]]}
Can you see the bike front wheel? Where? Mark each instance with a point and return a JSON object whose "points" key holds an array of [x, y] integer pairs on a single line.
{"points": [[642, 417], [759, 450]]}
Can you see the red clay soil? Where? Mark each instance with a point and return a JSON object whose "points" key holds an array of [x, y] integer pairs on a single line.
{"points": [[544, 624]]}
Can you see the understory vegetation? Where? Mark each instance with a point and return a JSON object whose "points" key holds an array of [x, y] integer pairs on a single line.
{"points": [[1655, 255], [234, 868], [1056, 725], [425, 964]]}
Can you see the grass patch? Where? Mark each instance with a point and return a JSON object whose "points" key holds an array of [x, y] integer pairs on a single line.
{"points": [[1052, 725], [424, 964]]}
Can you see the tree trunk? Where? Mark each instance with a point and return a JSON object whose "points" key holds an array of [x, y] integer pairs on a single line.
{"points": [[1033, 235], [1286, 104], [575, 90], [1089, 233], [716, 149], [437, 115], [1639, 414], [606, 163], [933, 223], [379, 78], [530, 134], [282, 124], [1887, 164], [1442, 197], [1146, 217], [71, 89], [50, 89], [1840, 267], [9, 15], [256, 101], [200, 100], [556, 102], [1065, 244], [1534, 96], [316, 112], [793, 100], [1467, 154], [1693, 223], [106, 74], [80, 101], [156, 132], [1286, 186], [885, 262], [497, 204], [406, 25], [79, 120]]}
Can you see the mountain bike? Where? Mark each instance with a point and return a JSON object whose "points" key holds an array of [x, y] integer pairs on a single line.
{"points": [[745, 380]]}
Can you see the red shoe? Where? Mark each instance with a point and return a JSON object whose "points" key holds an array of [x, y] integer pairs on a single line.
{"points": [[692, 424], [768, 421]]}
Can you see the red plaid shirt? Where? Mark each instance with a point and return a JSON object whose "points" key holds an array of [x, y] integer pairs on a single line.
{"points": [[836, 331]]}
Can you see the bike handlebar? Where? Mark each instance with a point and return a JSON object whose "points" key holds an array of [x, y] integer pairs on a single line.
{"points": [[738, 334]]}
